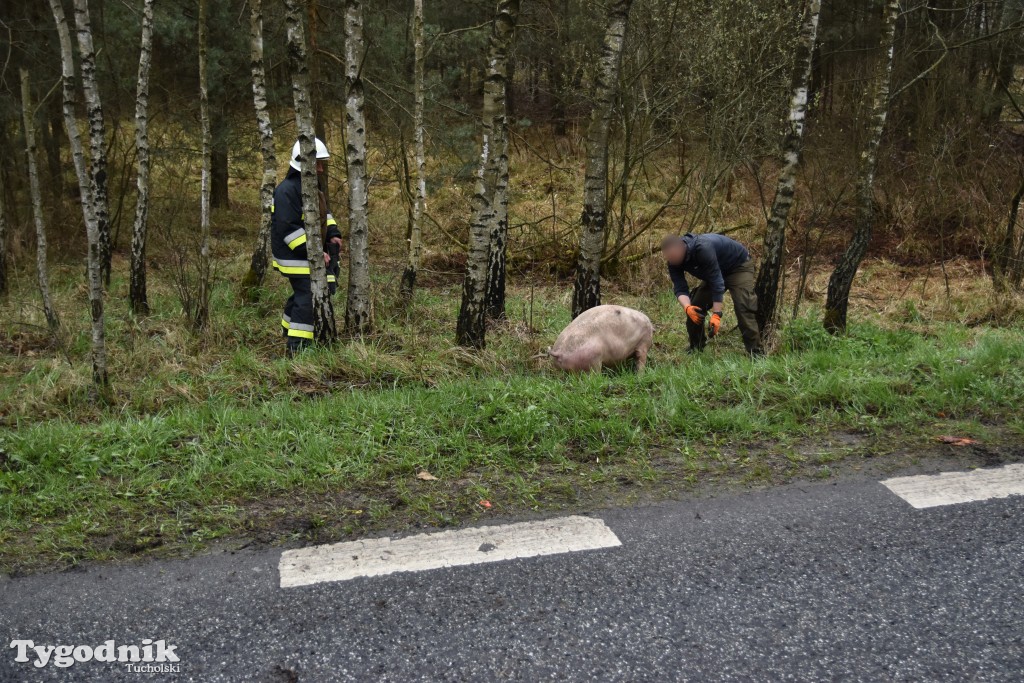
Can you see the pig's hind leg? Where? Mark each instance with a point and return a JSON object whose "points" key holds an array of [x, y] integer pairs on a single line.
{"points": [[641, 358]]}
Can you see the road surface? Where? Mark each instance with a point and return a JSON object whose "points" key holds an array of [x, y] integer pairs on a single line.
{"points": [[830, 581]]}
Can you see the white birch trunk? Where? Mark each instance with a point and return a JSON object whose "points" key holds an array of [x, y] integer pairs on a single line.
{"points": [[770, 274], [419, 206], [837, 302], [258, 262], [472, 322], [587, 289], [137, 277], [101, 382], [28, 119], [202, 312], [97, 134], [324, 326], [358, 310], [494, 295]]}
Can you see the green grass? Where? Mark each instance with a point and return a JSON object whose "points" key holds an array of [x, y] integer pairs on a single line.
{"points": [[215, 434], [73, 489]]}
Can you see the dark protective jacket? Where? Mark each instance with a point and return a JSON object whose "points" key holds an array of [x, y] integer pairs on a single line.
{"points": [[288, 231], [709, 258]]}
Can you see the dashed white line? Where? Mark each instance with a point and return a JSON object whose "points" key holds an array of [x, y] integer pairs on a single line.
{"points": [[380, 556], [951, 488]]}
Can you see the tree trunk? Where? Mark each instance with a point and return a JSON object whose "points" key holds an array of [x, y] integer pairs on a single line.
{"points": [[101, 382], [3, 244], [837, 302], [202, 312], [769, 276], [28, 118], [472, 323], [357, 309], [317, 90], [324, 328], [494, 295], [97, 134], [420, 155], [51, 130], [1007, 264], [587, 289], [258, 262], [559, 95], [1008, 53], [219, 172], [137, 278]]}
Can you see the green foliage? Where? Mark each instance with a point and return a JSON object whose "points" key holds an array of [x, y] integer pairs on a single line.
{"points": [[189, 472]]}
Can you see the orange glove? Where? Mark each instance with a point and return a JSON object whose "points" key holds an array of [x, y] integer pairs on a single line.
{"points": [[715, 323], [695, 314]]}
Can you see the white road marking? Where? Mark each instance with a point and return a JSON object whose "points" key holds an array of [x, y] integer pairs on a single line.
{"points": [[950, 488], [380, 556]]}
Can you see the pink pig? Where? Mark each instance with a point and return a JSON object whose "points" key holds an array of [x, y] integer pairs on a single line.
{"points": [[603, 336]]}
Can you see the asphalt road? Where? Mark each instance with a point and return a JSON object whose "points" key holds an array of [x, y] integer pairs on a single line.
{"points": [[838, 582]]}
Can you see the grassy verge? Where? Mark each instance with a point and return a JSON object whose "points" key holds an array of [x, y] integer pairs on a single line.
{"points": [[330, 456]]}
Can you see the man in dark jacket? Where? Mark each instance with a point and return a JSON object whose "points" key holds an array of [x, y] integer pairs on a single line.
{"points": [[721, 264], [288, 245]]}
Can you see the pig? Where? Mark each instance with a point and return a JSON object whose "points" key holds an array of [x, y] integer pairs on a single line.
{"points": [[603, 336]]}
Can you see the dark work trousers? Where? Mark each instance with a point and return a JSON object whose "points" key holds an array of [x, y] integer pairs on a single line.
{"points": [[740, 284], [297, 321]]}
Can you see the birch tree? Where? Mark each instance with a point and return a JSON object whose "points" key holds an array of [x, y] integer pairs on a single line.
{"points": [[137, 276], [324, 327], [419, 205], [769, 276], [202, 312], [472, 322], [494, 290], [100, 379], [837, 302], [358, 307], [258, 263], [587, 289], [494, 294], [97, 134], [42, 272]]}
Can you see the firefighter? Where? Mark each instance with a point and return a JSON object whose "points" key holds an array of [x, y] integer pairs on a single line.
{"points": [[288, 246]]}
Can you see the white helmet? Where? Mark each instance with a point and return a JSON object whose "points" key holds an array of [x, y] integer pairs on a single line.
{"points": [[321, 153]]}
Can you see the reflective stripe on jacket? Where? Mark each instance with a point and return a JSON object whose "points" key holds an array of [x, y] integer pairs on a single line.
{"points": [[288, 230]]}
